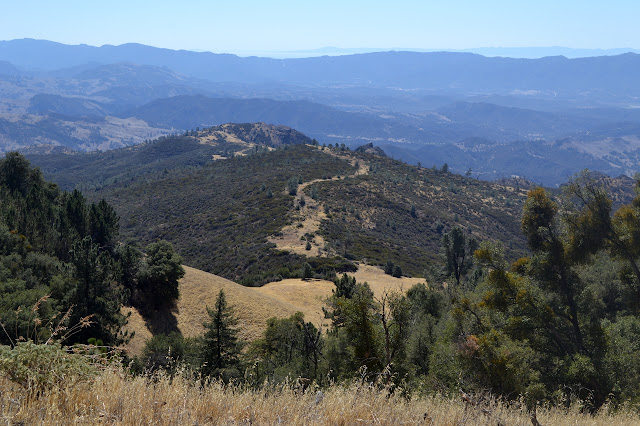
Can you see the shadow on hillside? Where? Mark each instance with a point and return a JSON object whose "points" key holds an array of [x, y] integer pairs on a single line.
{"points": [[161, 320]]}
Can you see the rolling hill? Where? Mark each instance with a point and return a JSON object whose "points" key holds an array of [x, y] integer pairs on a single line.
{"points": [[544, 119], [228, 217], [253, 306]]}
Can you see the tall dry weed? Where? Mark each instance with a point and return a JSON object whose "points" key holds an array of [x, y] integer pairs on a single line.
{"points": [[115, 397]]}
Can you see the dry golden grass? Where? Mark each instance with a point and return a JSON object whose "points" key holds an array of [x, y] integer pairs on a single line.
{"points": [[307, 296], [118, 399], [381, 282], [254, 305], [136, 323], [198, 290]]}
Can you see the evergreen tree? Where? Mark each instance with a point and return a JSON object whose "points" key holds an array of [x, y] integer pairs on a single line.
{"points": [[388, 267], [307, 270], [344, 286], [103, 225], [96, 293], [458, 252], [397, 272], [159, 274], [221, 345]]}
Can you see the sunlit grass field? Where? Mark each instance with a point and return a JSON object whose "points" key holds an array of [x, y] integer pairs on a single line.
{"points": [[116, 398]]}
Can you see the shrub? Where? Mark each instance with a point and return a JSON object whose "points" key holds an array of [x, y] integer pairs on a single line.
{"points": [[39, 368], [397, 271], [388, 267]]}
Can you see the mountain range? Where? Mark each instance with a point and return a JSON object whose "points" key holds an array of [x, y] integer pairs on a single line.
{"points": [[543, 119]]}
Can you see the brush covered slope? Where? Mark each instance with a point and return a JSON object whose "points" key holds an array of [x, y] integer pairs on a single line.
{"points": [[90, 171], [230, 217], [220, 215]]}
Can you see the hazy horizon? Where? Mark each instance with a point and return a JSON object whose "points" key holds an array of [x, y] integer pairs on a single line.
{"points": [[530, 52], [287, 25]]}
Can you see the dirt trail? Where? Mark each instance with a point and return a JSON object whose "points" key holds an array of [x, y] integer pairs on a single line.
{"points": [[306, 220]]}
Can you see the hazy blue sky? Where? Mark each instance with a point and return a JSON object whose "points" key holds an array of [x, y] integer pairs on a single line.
{"points": [[243, 25]]}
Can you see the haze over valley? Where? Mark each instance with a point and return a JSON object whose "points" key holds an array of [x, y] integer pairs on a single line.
{"points": [[541, 119]]}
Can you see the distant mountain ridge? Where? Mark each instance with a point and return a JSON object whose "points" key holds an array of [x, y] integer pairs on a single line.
{"points": [[430, 70], [510, 52], [543, 119]]}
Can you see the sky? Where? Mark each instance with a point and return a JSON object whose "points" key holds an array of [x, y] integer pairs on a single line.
{"points": [[237, 26]]}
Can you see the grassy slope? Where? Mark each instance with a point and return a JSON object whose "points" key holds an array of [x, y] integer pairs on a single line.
{"points": [[253, 306]]}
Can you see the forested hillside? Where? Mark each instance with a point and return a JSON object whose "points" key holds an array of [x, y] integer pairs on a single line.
{"points": [[63, 273], [194, 148]]}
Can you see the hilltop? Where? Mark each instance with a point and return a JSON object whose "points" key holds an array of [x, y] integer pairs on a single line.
{"points": [[349, 206], [70, 168]]}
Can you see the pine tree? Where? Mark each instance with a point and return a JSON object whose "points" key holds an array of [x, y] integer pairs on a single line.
{"points": [[388, 267], [221, 346], [458, 252], [159, 274]]}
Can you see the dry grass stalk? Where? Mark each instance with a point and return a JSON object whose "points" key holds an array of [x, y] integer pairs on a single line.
{"points": [[116, 398]]}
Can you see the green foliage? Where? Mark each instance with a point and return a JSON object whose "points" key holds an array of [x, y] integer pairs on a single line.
{"points": [[290, 348], [359, 322], [397, 271], [95, 293], [159, 274], [622, 364], [223, 228], [220, 344], [386, 232], [307, 271], [168, 352], [458, 253], [57, 252], [388, 267], [426, 309], [292, 185], [38, 368], [344, 286], [560, 322], [103, 223], [377, 334]]}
